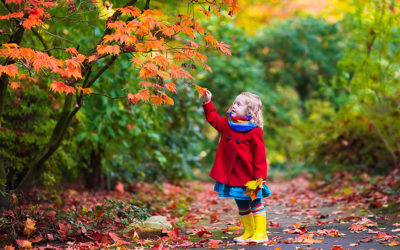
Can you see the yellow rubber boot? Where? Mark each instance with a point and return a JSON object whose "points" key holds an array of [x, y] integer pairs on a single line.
{"points": [[248, 225], [260, 234]]}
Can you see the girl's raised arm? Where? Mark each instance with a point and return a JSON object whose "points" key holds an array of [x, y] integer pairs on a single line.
{"points": [[211, 113]]}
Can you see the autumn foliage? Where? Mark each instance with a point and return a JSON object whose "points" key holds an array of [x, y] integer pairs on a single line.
{"points": [[145, 35]]}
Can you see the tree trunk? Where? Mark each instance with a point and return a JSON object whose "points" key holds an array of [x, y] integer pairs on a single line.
{"points": [[35, 167], [93, 175]]}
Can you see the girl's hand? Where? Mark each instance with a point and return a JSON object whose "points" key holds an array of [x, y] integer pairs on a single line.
{"points": [[207, 97]]}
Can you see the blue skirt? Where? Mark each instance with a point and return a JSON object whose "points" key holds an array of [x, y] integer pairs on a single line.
{"points": [[238, 192]]}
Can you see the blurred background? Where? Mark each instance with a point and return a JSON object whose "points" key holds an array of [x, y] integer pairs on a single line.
{"points": [[327, 72]]}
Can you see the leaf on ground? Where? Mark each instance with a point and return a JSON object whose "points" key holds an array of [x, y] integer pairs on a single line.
{"points": [[214, 243], [24, 243], [357, 228], [29, 226]]}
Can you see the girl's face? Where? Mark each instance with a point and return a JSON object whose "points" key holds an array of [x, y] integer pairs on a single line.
{"points": [[239, 107]]}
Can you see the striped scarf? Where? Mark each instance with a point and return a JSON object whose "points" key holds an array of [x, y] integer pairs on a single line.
{"points": [[241, 123]]}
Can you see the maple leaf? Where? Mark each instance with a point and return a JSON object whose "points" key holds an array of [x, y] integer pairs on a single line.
{"points": [[18, 2], [177, 72], [63, 231], [9, 247], [10, 70], [211, 39], [201, 90], [193, 44], [60, 87], [24, 243], [167, 99], [153, 44], [133, 11], [252, 188], [214, 243], [394, 243], [337, 247], [161, 61], [170, 87], [37, 239], [357, 228], [148, 70], [136, 61], [92, 58], [85, 90], [15, 85], [72, 51], [108, 49], [179, 56], [146, 84], [202, 232], [224, 48], [167, 31], [117, 239], [29, 226]]}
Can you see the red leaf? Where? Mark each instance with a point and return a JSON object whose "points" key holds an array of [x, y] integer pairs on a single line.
{"points": [[224, 48], [120, 187]]}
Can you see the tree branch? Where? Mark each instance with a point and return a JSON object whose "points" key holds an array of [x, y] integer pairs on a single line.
{"points": [[41, 40], [101, 71], [110, 97]]}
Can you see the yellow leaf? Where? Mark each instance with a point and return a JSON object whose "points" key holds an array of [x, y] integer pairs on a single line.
{"points": [[347, 191], [29, 226]]}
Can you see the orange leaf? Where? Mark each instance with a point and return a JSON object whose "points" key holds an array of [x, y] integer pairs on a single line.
{"points": [[148, 70], [189, 31], [178, 72], [146, 84], [201, 90], [133, 11], [170, 87], [108, 49], [179, 56], [72, 51], [29, 226], [167, 99], [136, 61], [37, 239], [92, 58], [24, 243], [10, 70], [161, 61], [85, 90], [153, 44], [156, 100], [15, 85], [357, 228], [59, 87], [211, 39], [9, 247]]}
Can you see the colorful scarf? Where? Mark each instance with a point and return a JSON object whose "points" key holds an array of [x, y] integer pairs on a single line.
{"points": [[241, 123]]}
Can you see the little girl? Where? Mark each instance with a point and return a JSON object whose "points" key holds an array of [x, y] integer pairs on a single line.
{"points": [[241, 158]]}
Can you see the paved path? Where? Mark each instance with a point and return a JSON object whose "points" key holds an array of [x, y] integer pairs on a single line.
{"points": [[318, 216]]}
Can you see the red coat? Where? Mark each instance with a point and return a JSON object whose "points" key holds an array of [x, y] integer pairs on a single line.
{"points": [[240, 155]]}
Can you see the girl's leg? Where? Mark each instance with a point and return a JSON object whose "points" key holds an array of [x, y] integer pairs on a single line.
{"points": [[247, 220], [260, 221]]}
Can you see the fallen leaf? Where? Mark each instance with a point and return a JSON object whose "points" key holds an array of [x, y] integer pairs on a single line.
{"points": [[29, 226]]}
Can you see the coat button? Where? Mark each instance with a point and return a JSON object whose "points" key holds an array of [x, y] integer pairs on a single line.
{"points": [[229, 138], [237, 141]]}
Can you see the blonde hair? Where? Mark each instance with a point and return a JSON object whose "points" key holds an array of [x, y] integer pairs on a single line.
{"points": [[254, 108]]}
